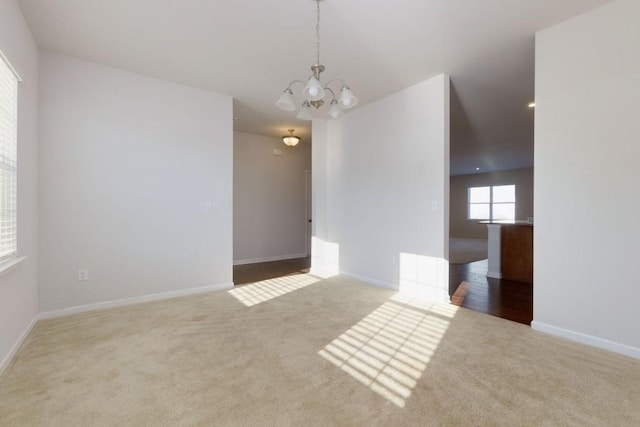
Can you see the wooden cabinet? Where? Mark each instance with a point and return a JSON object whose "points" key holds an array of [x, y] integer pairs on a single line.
{"points": [[516, 243]]}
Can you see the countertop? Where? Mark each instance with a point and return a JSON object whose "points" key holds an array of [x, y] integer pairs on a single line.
{"points": [[521, 222]]}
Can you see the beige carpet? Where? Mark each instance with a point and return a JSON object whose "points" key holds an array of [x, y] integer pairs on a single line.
{"points": [[308, 352], [464, 250]]}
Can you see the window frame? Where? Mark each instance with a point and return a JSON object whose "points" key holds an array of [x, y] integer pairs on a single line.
{"points": [[490, 203], [10, 165]]}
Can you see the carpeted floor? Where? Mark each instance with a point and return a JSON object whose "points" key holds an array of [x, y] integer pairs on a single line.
{"points": [[465, 250], [308, 352]]}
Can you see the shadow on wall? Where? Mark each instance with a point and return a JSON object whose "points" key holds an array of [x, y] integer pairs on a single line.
{"points": [[462, 134]]}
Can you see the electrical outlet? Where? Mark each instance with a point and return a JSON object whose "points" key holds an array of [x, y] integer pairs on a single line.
{"points": [[83, 274]]}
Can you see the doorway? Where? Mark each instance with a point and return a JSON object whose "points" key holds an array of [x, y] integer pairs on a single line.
{"points": [[308, 210]]}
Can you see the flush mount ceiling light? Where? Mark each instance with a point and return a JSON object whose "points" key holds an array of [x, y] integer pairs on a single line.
{"points": [[291, 140], [314, 92]]}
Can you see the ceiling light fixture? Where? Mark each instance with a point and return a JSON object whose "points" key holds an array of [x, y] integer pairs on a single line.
{"points": [[532, 105], [314, 91], [291, 140]]}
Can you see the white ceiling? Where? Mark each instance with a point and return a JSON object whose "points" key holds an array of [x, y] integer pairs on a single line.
{"points": [[251, 49]]}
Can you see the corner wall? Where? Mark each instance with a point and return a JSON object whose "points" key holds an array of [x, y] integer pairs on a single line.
{"points": [[381, 190], [19, 287], [136, 185], [586, 182], [269, 199]]}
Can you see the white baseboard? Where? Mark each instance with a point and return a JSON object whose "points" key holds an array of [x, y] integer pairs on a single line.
{"points": [[269, 258], [615, 347], [16, 346], [104, 305], [425, 292], [371, 281], [133, 300], [494, 275]]}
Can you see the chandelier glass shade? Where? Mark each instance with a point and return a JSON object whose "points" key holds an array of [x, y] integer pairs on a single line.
{"points": [[314, 92], [291, 140]]}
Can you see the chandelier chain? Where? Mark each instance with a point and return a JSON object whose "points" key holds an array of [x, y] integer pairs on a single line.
{"points": [[317, 31]]}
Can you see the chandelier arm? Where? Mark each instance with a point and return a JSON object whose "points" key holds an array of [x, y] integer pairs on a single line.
{"points": [[295, 81], [333, 94], [342, 82]]}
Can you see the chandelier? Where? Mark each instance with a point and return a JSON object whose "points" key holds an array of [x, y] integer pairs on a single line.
{"points": [[314, 91]]}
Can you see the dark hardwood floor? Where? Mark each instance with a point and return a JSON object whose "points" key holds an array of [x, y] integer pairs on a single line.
{"points": [[249, 273], [469, 286]]}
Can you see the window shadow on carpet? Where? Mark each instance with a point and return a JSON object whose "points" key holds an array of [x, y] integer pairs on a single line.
{"points": [[266, 290], [389, 349]]}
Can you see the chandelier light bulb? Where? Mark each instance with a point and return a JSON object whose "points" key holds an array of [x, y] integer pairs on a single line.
{"points": [[347, 98], [313, 91]]}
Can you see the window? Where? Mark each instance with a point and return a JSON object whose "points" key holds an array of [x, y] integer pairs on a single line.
{"points": [[492, 203], [8, 159]]}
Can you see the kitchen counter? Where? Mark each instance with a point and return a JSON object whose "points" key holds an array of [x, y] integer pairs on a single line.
{"points": [[510, 250], [509, 222]]}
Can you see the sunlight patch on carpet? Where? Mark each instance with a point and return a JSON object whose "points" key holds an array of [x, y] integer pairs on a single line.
{"points": [[460, 294], [390, 348], [266, 290]]}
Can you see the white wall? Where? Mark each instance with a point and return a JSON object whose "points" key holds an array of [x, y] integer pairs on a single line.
{"points": [[586, 182], [269, 200], [135, 185], [463, 227], [381, 189], [19, 288]]}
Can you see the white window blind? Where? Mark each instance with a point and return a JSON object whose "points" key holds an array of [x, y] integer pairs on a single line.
{"points": [[8, 159]]}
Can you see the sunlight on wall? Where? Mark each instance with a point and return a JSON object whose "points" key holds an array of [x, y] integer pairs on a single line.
{"points": [[424, 276], [325, 258], [265, 290], [389, 349]]}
